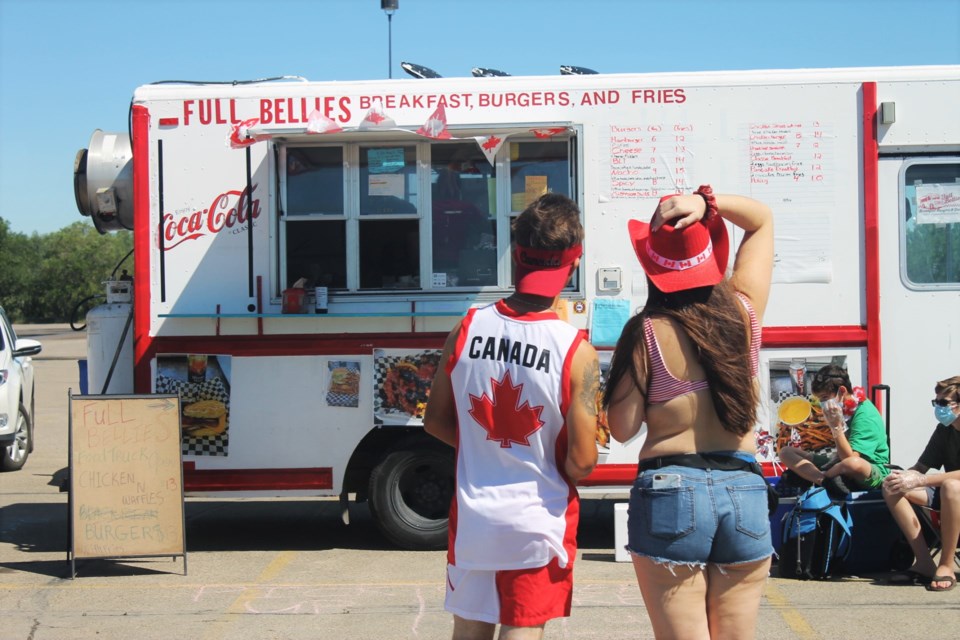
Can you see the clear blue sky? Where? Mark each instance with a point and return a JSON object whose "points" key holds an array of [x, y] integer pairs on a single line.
{"points": [[68, 67]]}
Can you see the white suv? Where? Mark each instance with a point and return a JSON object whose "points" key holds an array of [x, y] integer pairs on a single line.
{"points": [[16, 396]]}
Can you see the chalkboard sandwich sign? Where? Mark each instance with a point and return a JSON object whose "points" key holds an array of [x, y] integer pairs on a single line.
{"points": [[126, 478]]}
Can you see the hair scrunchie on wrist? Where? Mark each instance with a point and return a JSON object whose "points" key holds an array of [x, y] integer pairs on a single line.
{"points": [[706, 192]]}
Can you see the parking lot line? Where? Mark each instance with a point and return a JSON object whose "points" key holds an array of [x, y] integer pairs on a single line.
{"points": [[239, 606], [790, 614]]}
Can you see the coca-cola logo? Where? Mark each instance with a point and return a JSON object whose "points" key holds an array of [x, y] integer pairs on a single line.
{"points": [[229, 210]]}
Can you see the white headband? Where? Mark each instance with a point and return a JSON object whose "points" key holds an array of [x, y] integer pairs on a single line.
{"points": [[680, 265]]}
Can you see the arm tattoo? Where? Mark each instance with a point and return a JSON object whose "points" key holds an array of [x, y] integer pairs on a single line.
{"points": [[591, 386]]}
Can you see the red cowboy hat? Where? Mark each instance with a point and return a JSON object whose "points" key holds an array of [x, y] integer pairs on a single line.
{"points": [[680, 259]]}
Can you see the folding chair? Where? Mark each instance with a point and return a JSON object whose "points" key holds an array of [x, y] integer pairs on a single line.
{"points": [[930, 526]]}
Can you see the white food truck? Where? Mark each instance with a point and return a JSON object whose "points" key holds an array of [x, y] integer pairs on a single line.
{"points": [[301, 249]]}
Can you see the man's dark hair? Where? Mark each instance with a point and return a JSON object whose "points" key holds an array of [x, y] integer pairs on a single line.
{"points": [[552, 221], [829, 379]]}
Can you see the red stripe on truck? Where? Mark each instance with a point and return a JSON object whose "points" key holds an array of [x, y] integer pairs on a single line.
{"points": [[141, 248], [871, 232], [256, 479]]}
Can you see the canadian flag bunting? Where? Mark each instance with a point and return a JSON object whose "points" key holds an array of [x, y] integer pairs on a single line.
{"points": [[319, 123], [489, 145], [436, 125], [240, 134], [548, 133], [376, 118]]}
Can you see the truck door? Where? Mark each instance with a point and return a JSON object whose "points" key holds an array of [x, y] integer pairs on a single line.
{"points": [[919, 218]]}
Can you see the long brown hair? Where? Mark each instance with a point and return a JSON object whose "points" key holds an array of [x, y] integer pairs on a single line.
{"points": [[712, 317]]}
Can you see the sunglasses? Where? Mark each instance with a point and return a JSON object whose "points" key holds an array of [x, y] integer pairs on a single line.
{"points": [[942, 402]]}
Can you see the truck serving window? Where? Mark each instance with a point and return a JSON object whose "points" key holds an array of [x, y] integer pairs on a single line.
{"points": [[389, 227], [930, 233], [538, 167], [463, 187], [405, 216], [315, 228]]}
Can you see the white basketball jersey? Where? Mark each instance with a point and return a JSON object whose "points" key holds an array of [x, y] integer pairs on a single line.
{"points": [[513, 507]]}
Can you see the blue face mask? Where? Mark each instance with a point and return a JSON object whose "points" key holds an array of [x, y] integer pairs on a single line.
{"points": [[945, 415]]}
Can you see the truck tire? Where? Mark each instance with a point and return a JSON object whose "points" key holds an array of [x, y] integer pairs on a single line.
{"points": [[14, 455], [410, 492]]}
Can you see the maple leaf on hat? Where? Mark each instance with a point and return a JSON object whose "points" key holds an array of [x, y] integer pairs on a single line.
{"points": [[502, 415]]}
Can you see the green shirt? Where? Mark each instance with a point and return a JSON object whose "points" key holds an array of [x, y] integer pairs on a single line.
{"points": [[868, 435]]}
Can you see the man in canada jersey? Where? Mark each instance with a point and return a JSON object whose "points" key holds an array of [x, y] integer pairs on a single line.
{"points": [[516, 397]]}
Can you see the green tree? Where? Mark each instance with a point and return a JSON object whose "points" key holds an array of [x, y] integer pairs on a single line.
{"points": [[43, 278], [19, 257]]}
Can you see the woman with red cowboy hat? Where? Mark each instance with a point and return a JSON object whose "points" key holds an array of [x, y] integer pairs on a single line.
{"points": [[686, 366]]}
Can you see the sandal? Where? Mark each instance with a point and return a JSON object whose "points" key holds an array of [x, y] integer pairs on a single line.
{"points": [[950, 580]]}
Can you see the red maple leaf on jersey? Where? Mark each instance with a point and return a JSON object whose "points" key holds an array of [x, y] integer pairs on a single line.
{"points": [[491, 143], [503, 417]]}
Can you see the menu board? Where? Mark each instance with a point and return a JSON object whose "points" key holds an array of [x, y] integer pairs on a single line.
{"points": [[649, 160], [126, 477]]}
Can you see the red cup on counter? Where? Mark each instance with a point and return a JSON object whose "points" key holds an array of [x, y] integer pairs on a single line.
{"points": [[294, 300]]}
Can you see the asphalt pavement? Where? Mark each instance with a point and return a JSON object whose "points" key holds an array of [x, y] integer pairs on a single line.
{"points": [[289, 569]]}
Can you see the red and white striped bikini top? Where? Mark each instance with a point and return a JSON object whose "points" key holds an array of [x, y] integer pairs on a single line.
{"points": [[665, 386]]}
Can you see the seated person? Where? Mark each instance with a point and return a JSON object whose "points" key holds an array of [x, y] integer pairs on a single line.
{"points": [[862, 455], [940, 491]]}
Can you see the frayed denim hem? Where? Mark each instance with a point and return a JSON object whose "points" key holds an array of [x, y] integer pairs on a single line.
{"points": [[720, 567], [671, 564], [667, 562]]}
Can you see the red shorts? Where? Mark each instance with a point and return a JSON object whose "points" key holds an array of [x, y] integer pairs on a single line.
{"points": [[514, 597]]}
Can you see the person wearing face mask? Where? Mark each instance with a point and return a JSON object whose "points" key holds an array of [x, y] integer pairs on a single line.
{"points": [[940, 491], [860, 462]]}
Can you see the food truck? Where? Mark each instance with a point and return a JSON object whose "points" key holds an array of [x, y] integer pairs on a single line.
{"points": [[301, 250]]}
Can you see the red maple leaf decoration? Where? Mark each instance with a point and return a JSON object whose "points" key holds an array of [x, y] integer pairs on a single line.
{"points": [[491, 143], [503, 417], [375, 117], [547, 133]]}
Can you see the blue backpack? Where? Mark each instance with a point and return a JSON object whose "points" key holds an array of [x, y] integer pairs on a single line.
{"points": [[817, 536]]}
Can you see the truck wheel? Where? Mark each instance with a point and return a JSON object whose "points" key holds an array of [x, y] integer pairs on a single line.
{"points": [[410, 494], [15, 454]]}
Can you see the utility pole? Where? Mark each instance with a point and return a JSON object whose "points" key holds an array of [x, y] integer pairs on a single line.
{"points": [[389, 7]]}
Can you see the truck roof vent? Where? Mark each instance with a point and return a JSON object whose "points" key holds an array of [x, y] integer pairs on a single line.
{"points": [[570, 70], [481, 72], [419, 71]]}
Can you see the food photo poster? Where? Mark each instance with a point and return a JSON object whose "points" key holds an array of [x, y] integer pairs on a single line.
{"points": [[203, 383]]}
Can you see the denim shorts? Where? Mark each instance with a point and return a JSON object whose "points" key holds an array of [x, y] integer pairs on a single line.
{"points": [[696, 516], [933, 498]]}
